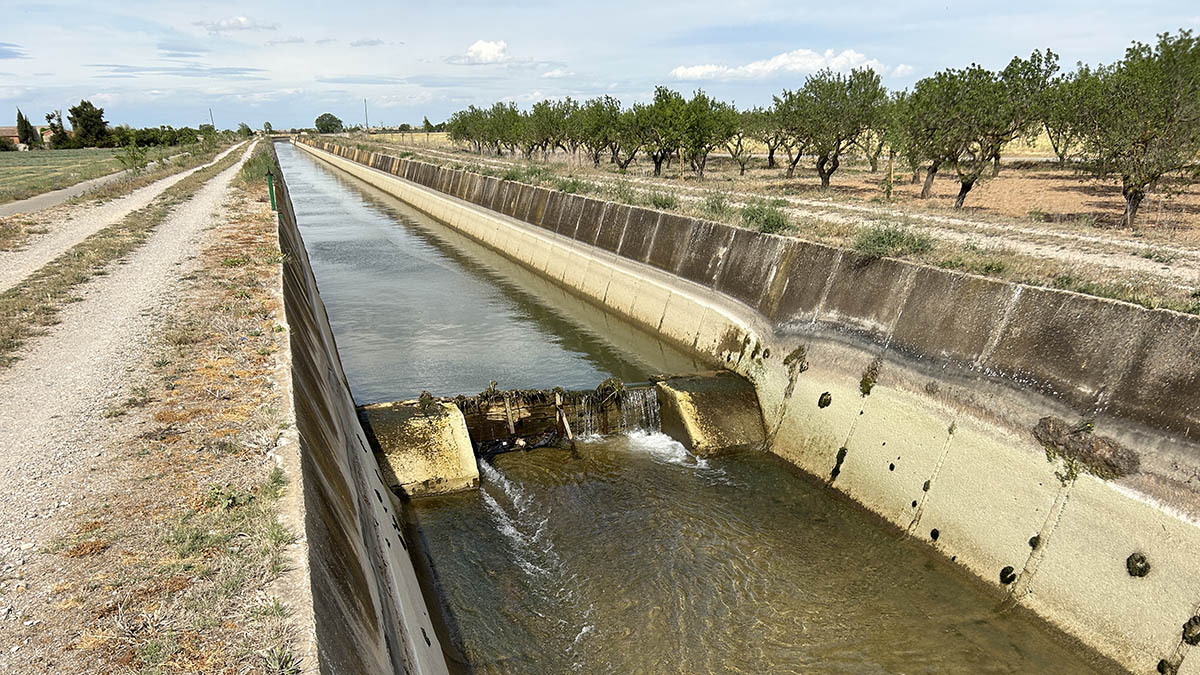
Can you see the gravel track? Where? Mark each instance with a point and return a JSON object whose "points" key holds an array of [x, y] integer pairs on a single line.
{"points": [[71, 225], [53, 400]]}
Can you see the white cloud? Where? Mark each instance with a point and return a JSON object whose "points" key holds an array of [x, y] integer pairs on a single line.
{"points": [[902, 70], [557, 73], [235, 23], [366, 43], [802, 61], [291, 40], [483, 52]]}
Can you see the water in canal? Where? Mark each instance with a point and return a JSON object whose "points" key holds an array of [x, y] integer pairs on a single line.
{"points": [[634, 556]]}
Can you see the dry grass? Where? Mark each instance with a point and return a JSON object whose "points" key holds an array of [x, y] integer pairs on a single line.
{"points": [[32, 305], [170, 567]]}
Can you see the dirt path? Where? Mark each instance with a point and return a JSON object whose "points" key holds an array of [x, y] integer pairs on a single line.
{"points": [[53, 400], [1047, 243], [73, 226]]}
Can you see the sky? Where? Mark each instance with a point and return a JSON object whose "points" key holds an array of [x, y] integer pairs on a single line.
{"points": [[152, 63]]}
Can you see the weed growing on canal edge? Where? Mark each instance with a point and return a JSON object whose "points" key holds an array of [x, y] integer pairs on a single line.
{"points": [[891, 241], [765, 217], [663, 200], [572, 185]]}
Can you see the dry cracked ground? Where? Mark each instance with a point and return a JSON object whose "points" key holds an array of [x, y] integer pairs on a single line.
{"points": [[149, 521]]}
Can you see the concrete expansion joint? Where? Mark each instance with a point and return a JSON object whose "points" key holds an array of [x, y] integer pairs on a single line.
{"points": [[933, 475], [1041, 541]]}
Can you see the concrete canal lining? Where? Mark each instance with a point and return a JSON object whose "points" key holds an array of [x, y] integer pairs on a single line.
{"points": [[369, 611], [1043, 440]]}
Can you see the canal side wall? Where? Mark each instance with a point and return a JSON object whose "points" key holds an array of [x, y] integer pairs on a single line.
{"points": [[1044, 440], [369, 612]]}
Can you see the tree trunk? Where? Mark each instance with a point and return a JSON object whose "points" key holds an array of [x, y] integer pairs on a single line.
{"points": [[1133, 199], [826, 165], [916, 176], [964, 187], [927, 189], [770, 157], [995, 165], [873, 156], [743, 171], [658, 163]]}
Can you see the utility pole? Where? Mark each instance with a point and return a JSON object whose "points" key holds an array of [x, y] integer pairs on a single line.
{"points": [[366, 120], [210, 120]]}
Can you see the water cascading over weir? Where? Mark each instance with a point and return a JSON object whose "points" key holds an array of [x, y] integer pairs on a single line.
{"points": [[1041, 440]]}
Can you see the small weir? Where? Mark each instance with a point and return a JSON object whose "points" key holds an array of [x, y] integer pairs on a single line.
{"points": [[626, 554]]}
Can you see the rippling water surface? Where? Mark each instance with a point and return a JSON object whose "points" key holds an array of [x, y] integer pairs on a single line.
{"points": [[633, 556]]}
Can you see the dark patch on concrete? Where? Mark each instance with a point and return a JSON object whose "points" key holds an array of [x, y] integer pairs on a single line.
{"points": [[867, 294], [554, 205], [589, 220], [524, 200], [669, 241], [1078, 443], [1035, 541], [639, 232], [1008, 575], [1191, 631], [748, 262], [568, 219], [1167, 667], [925, 486], [1068, 346], [892, 466], [797, 360], [805, 281], [870, 376], [1137, 565], [537, 207], [934, 534], [824, 400], [837, 467], [706, 245], [612, 226]]}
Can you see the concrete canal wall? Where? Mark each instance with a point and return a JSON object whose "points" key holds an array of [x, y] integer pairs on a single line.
{"points": [[1043, 440], [370, 615]]}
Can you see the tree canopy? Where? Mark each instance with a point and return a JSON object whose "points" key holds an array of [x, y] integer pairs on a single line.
{"points": [[328, 123]]}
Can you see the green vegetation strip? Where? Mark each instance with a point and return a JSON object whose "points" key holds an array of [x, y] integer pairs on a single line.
{"points": [[35, 303]]}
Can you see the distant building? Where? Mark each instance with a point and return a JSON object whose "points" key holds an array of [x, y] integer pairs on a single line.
{"points": [[11, 134]]}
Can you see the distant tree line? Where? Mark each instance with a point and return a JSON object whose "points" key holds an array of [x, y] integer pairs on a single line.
{"points": [[88, 129], [1136, 121]]}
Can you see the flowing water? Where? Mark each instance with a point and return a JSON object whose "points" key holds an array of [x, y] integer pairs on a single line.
{"points": [[631, 556]]}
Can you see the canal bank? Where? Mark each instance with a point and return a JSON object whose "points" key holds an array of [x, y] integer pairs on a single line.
{"points": [[867, 381]]}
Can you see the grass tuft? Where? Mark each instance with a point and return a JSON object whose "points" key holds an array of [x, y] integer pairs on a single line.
{"points": [[891, 241]]}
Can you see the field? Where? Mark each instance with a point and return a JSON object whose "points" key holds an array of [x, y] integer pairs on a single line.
{"points": [[24, 174]]}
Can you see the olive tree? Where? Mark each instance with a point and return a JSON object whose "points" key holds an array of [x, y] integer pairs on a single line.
{"points": [[1139, 119]]}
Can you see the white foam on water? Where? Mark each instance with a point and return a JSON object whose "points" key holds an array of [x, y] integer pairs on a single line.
{"points": [[662, 448]]}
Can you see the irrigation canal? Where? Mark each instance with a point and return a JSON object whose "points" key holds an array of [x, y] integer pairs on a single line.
{"points": [[633, 556]]}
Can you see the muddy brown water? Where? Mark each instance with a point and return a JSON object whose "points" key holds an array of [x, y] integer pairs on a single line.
{"points": [[633, 556]]}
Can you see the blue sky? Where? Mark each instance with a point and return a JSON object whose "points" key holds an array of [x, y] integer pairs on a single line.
{"points": [[150, 63]]}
